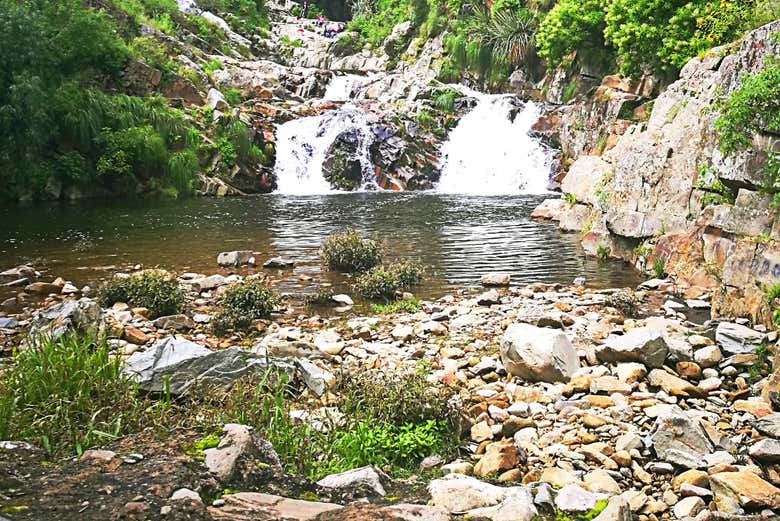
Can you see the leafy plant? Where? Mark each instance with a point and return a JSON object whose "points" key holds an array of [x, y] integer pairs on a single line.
{"points": [[570, 199], [399, 306], [155, 290], [242, 303], [659, 268], [382, 282], [603, 251], [572, 25], [350, 253], [445, 101], [715, 192]]}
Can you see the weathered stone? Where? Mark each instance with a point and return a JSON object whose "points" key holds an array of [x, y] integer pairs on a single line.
{"points": [[278, 263], [265, 507], [688, 507], [177, 365], [176, 322], [573, 498], [708, 356], [736, 490], [43, 288], [318, 380], [216, 100], [644, 345], [549, 209], [54, 321], [361, 478], [672, 384], [538, 354], [766, 451], [209, 283], [585, 176], [236, 258], [737, 339], [135, 336], [600, 481], [499, 456], [517, 506], [769, 425], [238, 443], [459, 493], [496, 279], [680, 440], [618, 509]]}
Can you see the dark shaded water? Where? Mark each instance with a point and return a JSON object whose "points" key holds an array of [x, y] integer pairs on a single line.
{"points": [[459, 238]]}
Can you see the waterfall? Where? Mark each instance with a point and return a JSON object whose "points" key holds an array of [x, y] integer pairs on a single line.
{"points": [[302, 147], [342, 88], [488, 153]]}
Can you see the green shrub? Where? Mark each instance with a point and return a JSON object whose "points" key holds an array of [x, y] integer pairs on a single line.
{"points": [[382, 282], [399, 306], [243, 303], [350, 253], [155, 290], [66, 394], [445, 101], [572, 25], [212, 66], [234, 96]]}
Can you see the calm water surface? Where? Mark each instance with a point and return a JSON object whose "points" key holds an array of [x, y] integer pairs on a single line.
{"points": [[459, 238]]}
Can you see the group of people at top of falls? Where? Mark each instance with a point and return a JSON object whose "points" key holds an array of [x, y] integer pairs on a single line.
{"points": [[329, 28]]}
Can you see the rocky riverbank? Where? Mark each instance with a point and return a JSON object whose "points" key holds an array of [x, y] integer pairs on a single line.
{"points": [[571, 404]]}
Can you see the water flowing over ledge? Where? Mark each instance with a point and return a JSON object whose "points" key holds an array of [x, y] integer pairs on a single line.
{"points": [[491, 151]]}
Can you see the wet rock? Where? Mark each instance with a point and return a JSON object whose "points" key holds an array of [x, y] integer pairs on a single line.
{"points": [[278, 263], [735, 491], [185, 364], [342, 299], [496, 279], [363, 478], [236, 258], [737, 339], [549, 209], [459, 493], [680, 440], [43, 288], [644, 345], [538, 354]]}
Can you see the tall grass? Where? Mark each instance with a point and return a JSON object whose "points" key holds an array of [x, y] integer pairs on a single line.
{"points": [[66, 394]]}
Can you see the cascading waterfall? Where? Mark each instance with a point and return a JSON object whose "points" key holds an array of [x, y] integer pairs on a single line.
{"points": [[302, 146], [342, 88], [490, 154]]}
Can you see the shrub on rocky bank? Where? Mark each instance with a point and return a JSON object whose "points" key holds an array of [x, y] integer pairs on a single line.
{"points": [[382, 282], [156, 290], [243, 303]]}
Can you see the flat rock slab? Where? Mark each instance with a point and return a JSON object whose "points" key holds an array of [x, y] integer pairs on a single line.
{"points": [[253, 506], [179, 364], [644, 345], [737, 339]]}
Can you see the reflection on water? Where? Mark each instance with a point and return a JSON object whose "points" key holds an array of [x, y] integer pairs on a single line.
{"points": [[459, 238]]}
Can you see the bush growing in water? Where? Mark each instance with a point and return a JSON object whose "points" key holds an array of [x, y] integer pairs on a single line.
{"points": [[348, 252], [242, 303], [382, 282], [155, 290]]}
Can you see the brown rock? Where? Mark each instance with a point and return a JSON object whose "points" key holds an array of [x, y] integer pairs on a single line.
{"points": [[754, 407], [689, 370], [673, 385], [136, 336], [743, 489], [499, 456], [695, 477], [43, 288]]}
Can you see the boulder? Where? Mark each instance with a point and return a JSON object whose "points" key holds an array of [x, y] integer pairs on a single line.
{"points": [[585, 178], [517, 506], [459, 493], [618, 509], [175, 322], [43, 288], [489, 298], [680, 439], [499, 456], [538, 354], [55, 320], [735, 491], [216, 100], [768, 425], [573, 498], [671, 384], [549, 209], [239, 443], [644, 345], [765, 451], [235, 258], [318, 380], [209, 283], [688, 507], [363, 478], [737, 339], [185, 364]]}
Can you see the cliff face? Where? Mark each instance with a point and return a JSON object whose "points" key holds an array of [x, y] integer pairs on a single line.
{"points": [[640, 186]]}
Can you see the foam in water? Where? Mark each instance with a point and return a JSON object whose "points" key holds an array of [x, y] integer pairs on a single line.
{"points": [[302, 144], [489, 154], [342, 88]]}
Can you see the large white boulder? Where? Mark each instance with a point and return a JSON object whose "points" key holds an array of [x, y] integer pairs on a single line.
{"points": [[538, 354]]}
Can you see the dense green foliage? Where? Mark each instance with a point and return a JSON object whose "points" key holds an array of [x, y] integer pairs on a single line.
{"points": [[243, 303], [572, 25], [382, 282], [410, 305], [348, 252], [155, 290], [63, 394]]}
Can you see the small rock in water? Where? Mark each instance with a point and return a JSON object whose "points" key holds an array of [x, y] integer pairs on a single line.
{"points": [[579, 281], [278, 263], [496, 279], [344, 300], [235, 258]]}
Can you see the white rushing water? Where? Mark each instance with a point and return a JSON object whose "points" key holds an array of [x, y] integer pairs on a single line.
{"points": [[342, 88], [489, 154], [302, 144]]}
